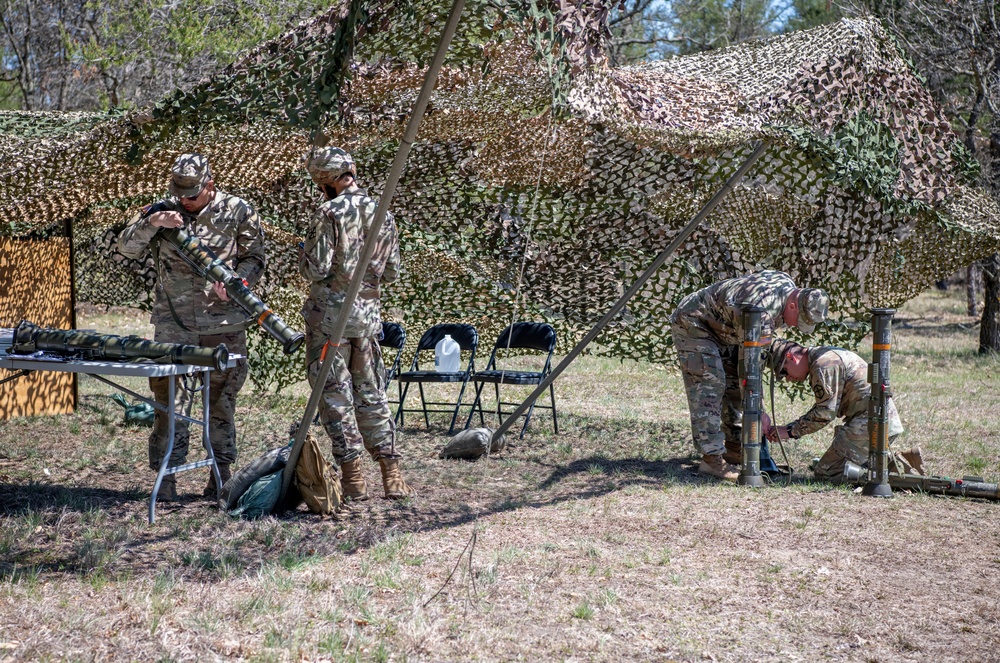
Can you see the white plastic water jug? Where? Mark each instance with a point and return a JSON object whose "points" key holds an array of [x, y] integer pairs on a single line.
{"points": [[447, 355]]}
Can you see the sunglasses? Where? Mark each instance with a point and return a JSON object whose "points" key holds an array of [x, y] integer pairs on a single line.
{"points": [[193, 198]]}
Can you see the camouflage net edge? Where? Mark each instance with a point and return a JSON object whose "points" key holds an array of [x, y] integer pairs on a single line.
{"points": [[865, 190]]}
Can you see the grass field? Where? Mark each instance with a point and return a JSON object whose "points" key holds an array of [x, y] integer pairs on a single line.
{"points": [[600, 543]]}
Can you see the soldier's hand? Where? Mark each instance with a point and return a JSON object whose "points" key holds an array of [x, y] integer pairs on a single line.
{"points": [[166, 220], [765, 422], [220, 291]]}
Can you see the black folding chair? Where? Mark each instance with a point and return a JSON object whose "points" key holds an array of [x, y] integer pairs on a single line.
{"points": [[394, 338], [468, 340], [520, 335]]}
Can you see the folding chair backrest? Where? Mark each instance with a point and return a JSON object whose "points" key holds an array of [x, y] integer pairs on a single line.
{"points": [[393, 336], [464, 335], [532, 335]]}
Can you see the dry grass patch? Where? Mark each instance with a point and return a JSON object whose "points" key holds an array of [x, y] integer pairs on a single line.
{"points": [[601, 543]]}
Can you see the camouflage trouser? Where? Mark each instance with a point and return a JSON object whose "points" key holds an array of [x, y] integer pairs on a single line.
{"points": [[850, 443], [223, 387], [711, 380], [354, 409]]}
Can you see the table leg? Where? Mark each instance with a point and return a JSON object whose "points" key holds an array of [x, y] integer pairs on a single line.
{"points": [[171, 426], [205, 437]]}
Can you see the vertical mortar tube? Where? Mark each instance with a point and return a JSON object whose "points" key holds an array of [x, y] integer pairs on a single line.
{"points": [[752, 396], [878, 416]]}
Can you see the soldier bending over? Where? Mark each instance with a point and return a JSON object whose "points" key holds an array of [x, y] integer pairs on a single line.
{"points": [[707, 328]]}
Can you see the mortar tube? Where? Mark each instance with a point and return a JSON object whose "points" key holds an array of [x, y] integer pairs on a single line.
{"points": [[878, 401], [752, 396]]}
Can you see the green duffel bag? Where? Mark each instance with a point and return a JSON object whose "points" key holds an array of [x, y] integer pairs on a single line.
{"points": [[271, 462], [260, 498]]}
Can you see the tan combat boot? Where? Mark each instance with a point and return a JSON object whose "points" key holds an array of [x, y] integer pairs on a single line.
{"points": [[210, 489], [392, 480], [915, 460], [168, 489], [352, 481], [717, 466], [734, 453]]}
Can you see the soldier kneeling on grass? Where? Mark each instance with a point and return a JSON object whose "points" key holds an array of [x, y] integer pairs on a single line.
{"points": [[838, 379]]}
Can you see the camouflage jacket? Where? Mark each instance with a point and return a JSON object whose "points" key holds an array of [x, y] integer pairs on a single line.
{"points": [[228, 226], [715, 312], [331, 251], [839, 381]]}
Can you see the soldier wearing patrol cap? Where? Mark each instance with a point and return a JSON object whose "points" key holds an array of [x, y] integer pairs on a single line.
{"points": [[707, 329], [188, 308], [838, 379], [354, 409]]}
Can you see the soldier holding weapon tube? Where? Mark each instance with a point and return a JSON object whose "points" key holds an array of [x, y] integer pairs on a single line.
{"points": [[189, 308]]}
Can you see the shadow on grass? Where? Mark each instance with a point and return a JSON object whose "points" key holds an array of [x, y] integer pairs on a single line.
{"points": [[592, 457], [18, 499], [919, 327]]}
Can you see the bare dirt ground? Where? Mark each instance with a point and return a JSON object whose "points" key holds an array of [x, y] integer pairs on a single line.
{"points": [[600, 543]]}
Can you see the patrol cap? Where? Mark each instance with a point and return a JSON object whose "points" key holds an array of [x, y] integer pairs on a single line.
{"points": [[814, 305], [188, 175], [776, 353], [327, 164]]}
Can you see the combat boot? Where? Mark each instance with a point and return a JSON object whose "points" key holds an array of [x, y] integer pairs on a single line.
{"points": [[733, 453], [392, 480], [716, 466], [352, 481], [211, 490], [168, 489], [915, 460]]}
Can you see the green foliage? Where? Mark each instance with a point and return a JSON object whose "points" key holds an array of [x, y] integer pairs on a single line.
{"points": [[705, 25], [811, 14]]}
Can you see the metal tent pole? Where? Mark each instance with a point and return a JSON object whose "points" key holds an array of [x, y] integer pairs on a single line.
{"points": [[395, 173], [646, 275]]}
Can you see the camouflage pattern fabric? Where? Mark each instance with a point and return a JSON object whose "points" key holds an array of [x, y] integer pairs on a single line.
{"points": [[327, 164], [838, 379], [715, 312], [223, 387], [711, 382], [332, 247], [707, 329], [864, 188], [229, 227], [189, 175], [354, 409]]}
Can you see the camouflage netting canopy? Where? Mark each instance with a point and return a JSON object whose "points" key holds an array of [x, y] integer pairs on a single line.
{"points": [[542, 181]]}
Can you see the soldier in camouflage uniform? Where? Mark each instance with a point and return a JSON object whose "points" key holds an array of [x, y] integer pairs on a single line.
{"points": [[839, 381], [354, 408], [707, 329], [188, 308]]}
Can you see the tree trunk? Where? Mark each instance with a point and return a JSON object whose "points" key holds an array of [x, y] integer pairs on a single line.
{"points": [[973, 284], [989, 330]]}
